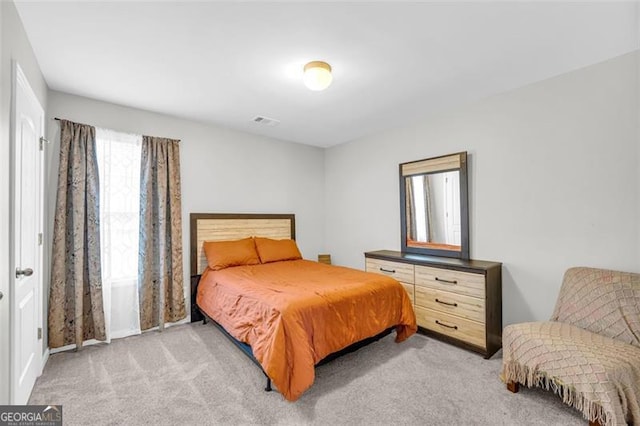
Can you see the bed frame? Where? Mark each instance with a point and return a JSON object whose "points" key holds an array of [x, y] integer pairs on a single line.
{"points": [[225, 226]]}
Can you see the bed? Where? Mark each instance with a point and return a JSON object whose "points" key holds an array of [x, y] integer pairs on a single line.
{"points": [[288, 314]]}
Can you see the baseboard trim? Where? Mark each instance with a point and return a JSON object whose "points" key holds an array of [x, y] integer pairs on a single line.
{"points": [[73, 346], [45, 358], [96, 342]]}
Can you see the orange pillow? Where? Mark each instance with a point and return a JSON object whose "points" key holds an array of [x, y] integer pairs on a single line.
{"points": [[223, 254], [276, 250]]}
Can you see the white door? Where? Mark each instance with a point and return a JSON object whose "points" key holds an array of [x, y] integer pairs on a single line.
{"points": [[26, 312]]}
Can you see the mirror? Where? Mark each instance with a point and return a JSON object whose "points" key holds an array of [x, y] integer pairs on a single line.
{"points": [[434, 206]]}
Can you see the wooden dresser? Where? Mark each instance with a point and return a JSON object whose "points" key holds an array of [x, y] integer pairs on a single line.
{"points": [[457, 300]]}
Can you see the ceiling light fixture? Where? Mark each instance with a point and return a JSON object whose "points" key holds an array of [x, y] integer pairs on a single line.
{"points": [[317, 75]]}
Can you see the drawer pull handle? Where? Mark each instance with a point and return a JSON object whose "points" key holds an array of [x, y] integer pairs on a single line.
{"points": [[446, 281], [391, 271], [455, 327], [455, 305]]}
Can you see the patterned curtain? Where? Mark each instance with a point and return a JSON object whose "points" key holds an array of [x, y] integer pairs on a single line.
{"points": [[160, 284], [410, 209], [75, 299]]}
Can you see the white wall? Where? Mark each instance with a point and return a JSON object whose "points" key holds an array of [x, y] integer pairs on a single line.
{"points": [[223, 171], [14, 47], [553, 174], [637, 105]]}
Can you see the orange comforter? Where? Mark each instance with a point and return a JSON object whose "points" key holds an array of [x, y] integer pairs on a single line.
{"points": [[295, 313]]}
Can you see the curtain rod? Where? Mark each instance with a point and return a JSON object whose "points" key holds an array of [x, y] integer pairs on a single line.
{"points": [[59, 119]]}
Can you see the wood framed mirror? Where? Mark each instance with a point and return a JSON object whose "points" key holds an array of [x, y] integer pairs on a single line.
{"points": [[434, 206]]}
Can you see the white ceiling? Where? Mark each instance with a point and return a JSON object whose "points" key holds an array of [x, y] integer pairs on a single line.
{"points": [[226, 62]]}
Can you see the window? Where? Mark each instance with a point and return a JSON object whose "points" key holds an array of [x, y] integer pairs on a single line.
{"points": [[119, 172], [419, 200]]}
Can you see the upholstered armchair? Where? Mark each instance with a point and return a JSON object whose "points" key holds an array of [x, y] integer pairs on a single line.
{"points": [[589, 353]]}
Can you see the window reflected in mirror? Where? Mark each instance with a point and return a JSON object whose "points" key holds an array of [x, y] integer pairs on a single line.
{"points": [[433, 210]]}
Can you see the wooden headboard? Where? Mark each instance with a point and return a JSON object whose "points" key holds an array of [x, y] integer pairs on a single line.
{"points": [[228, 226]]}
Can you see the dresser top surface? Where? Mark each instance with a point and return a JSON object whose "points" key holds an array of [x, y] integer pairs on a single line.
{"points": [[420, 259]]}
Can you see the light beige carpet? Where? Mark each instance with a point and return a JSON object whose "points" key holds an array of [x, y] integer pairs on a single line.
{"points": [[192, 375]]}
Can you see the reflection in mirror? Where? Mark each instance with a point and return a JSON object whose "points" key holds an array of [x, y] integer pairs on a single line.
{"points": [[433, 210]]}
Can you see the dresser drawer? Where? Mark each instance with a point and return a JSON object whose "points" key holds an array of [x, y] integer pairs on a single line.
{"points": [[462, 329], [409, 288], [448, 280], [452, 303], [400, 271]]}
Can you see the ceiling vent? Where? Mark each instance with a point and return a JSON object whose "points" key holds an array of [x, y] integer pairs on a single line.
{"points": [[271, 122]]}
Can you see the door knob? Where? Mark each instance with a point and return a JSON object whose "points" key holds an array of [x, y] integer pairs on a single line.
{"points": [[1, 295], [26, 272]]}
